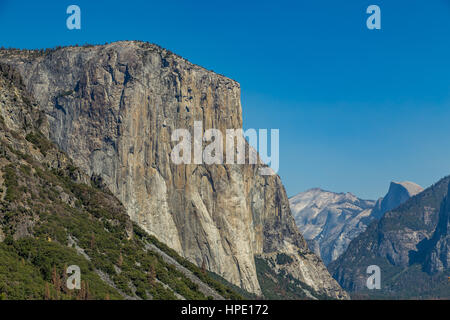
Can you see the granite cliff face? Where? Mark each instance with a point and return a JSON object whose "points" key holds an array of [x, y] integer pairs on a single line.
{"points": [[398, 193], [436, 251], [53, 215], [113, 109]]}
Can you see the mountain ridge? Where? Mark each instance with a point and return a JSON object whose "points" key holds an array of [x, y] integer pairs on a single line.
{"points": [[401, 244], [112, 109], [330, 220]]}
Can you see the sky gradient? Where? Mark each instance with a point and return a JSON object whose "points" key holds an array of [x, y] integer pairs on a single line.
{"points": [[356, 108]]}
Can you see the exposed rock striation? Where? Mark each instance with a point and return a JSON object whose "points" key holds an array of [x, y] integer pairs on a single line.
{"points": [[437, 249], [398, 193], [52, 214], [329, 221], [113, 109]]}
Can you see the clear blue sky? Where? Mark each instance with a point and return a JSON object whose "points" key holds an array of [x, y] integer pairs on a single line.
{"points": [[356, 108]]}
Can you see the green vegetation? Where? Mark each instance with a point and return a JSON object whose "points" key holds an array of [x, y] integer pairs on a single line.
{"points": [[35, 269], [66, 93], [49, 219], [282, 286], [241, 292], [283, 258], [216, 284], [39, 141], [12, 192], [405, 283], [398, 281]]}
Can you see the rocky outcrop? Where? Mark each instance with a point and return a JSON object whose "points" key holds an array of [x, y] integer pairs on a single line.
{"points": [[48, 204], [329, 221], [437, 249], [409, 244], [113, 109], [398, 193]]}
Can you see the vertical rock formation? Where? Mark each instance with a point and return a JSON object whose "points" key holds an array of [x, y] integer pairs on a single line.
{"points": [[398, 193], [437, 251], [50, 212], [113, 109]]}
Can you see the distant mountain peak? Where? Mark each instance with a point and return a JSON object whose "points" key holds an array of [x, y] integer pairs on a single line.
{"points": [[398, 193], [411, 245], [330, 220], [322, 216], [411, 187]]}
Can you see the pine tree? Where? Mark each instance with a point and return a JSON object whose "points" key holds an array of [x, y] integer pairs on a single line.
{"points": [[151, 274], [56, 281], [54, 277], [120, 260], [87, 294], [92, 241], [47, 292], [64, 280], [82, 293], [204, 267]]}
